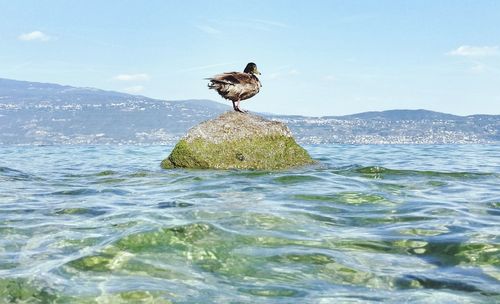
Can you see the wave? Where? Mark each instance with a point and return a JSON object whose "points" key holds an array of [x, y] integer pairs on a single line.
{"points": [[85, 192], [378, 171], [9, 174]]}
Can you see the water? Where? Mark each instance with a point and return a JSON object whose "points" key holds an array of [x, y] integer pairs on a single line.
{"points": [[392, 224]]}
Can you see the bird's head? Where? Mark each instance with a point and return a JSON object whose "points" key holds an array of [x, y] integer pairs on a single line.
{"points": [[251, 68]]}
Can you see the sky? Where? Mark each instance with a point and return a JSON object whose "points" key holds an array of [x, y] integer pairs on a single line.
{"points": [[316, 57]]}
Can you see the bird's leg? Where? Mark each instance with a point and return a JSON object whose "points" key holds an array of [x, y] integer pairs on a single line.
{"points": [[238, 107], [235, 107]]}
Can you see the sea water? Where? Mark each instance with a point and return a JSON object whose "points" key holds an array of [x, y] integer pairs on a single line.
{"points": [[368, 223]]}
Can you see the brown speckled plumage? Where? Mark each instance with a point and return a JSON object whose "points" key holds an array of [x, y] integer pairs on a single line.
{"points": [[237, 86]]}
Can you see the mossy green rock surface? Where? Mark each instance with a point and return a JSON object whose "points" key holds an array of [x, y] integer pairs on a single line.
{"points": [[238, 141]]}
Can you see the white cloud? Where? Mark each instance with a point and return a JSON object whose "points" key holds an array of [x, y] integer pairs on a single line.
{"points": [[257, 24], [208, 29], [475, 51], [274, 75], [478, 68], [36, 35], [132, 77], [330, 77], [270, 23], [134, 89], [282, 72]]}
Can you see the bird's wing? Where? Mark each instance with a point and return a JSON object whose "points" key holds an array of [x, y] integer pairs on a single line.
{"points": [[243, 77], [232, 78]]}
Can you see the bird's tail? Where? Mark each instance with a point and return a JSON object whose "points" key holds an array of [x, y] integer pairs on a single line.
{"points": [[211, 84], [214, 83]]}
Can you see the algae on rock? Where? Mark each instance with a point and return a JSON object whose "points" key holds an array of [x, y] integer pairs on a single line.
{"points": [[238, 141]]}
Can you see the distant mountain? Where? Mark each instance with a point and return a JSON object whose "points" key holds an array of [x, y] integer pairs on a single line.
{"points": [[41, 113], [31, 92], [45, 113], [404, 115]]}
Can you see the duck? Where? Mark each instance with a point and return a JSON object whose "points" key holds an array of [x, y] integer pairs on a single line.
{"points": [[237, 86]]}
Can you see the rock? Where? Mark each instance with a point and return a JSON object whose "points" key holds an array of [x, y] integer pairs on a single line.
{"points": [[236, 140]]}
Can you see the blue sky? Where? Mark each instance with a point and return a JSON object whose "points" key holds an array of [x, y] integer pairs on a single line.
{"points": [[316, 57]]}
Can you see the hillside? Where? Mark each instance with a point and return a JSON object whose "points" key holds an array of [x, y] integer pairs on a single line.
{"points": [[44, 113]]}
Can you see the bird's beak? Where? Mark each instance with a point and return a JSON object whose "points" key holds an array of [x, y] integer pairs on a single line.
{"points": [[257, 72]]}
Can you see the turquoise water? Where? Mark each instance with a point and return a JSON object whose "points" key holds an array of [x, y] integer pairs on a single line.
{"points": [[392, 224]]}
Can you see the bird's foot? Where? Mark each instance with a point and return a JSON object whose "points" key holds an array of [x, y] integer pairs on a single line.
{"points": [[238, 109]]}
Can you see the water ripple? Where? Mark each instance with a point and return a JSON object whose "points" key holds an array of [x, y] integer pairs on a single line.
{"points": [[369, 224]]}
